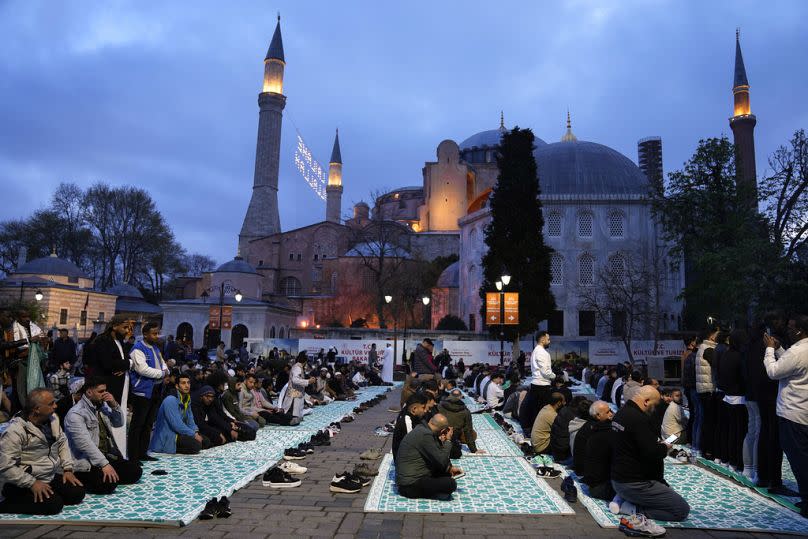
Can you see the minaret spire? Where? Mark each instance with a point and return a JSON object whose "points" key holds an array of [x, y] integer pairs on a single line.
{"points": [[262, 218], [742, 124], [501, 120], [333, 191]]}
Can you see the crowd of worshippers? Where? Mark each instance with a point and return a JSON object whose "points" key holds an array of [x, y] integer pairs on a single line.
{"points": [[81, 420]]}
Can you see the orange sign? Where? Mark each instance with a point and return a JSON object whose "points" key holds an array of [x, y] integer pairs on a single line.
{"points": [[511, 308], [492, 307], [227, 317]]}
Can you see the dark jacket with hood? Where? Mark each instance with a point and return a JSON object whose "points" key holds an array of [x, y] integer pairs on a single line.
{"points": [[210, 420], [422, 361], [560, 433], [597, 458], [459, 418], [404, 424]]}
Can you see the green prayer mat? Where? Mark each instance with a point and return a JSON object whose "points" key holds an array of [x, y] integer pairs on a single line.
{"points": [[715, 503], [494, 442], [493, 485], [789, 481]]}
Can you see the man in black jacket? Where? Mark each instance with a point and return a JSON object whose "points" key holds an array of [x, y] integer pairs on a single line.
{"points": [[411, 415], [209, 421], [595, 447], [638, 462]]}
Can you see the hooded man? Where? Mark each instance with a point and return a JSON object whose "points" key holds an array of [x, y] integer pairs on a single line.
{"points": [[459, 418]]}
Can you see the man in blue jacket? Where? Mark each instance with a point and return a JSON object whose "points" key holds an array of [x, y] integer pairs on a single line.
{"points": [[175, 430], [145, 389], [98, 463]]}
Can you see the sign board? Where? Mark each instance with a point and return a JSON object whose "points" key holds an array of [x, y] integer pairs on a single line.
{"points": [[492, 307], [511, 308], [614, 352], [227, 317], [482, 351]]}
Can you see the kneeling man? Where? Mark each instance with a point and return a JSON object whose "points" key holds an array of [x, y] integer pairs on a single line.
{"points": [[88, 425], [423, 468]]}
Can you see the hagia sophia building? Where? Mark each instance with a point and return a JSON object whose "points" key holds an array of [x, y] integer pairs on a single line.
{"points": [[595, 203]]}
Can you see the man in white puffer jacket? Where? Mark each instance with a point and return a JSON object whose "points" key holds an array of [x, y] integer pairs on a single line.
{"points": [[704, 409]]}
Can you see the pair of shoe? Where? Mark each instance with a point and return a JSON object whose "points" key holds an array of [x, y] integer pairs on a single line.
{"points": [[306, 446], [637, 525], [548, 472], [364, 470], [276, 477], [216, 509], [569, 489], [348, 483], [320, 438], [371, 454], [293, 453], [348, 418]]}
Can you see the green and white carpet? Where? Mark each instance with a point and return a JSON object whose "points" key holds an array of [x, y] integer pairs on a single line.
{"points": [[493, 485], [177, 498], [789, 481], [715, 503]]}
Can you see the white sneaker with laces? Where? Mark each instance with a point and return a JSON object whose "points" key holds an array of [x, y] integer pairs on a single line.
{"points": [[292, 468], [646, 526]]}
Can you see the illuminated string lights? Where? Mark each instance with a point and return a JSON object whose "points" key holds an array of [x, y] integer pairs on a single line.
{"points": [[310, 169]]}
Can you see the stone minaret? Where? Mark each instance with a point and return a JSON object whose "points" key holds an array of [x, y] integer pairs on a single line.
{"points": [[743, 129], [262, 217], [333, 191]]}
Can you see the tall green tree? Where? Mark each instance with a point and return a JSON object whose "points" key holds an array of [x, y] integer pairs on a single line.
{"points": [[726, 248], [515, 235]]}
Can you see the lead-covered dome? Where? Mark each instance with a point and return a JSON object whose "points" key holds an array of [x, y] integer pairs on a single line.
{"points": [[587, 168], [237, 265], [51, 265], [450, 278], [490, 139]]}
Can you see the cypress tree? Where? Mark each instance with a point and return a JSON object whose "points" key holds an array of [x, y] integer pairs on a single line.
{"points": [[515, 238]]}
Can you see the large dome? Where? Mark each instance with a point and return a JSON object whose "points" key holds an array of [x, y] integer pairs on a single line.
{"points": [[490, 138], [125, 290], [237, 265], [52, 265], [450, 278], [587, 168]]}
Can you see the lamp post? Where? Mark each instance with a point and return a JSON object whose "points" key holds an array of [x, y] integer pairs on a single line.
{"points": [[425, 301], [387, 300], [504, 280], [37, 296], [237, 296]]}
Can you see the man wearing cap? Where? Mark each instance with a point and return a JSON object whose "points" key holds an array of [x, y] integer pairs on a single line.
{"points": [[210, 422]]}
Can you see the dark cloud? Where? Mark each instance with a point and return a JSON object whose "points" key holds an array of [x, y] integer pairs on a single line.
{"points": [[163, 94]]}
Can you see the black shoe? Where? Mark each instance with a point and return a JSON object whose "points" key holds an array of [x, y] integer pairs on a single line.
{"points": [[210, 511], [148, 458], [305, 446], [224, 508], [343, 483], [545, 471], [277, 478], [361, 479], [569, 490], [293, 454]]}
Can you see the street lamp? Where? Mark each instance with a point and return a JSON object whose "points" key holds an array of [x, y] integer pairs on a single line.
{"points": [[425, 301], [237, 296], [38, 296], [387, 300], [501, 284]]}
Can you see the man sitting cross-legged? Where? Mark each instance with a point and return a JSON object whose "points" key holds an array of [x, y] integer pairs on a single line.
{"points": [[637, 462], [252, 402], [540, 434], [209, 420], [98, 463], [175, 430], [411, 415], [423, 468], [33, 450]]}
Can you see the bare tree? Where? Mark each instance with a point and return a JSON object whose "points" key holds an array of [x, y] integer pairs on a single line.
{"points": [[785, 195], [625, 297]]}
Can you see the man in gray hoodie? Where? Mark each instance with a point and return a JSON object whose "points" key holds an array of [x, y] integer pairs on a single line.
{"points": [[35, 461]]}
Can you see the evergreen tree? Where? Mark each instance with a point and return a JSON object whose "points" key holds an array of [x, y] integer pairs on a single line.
{"points": [[515, 235]]}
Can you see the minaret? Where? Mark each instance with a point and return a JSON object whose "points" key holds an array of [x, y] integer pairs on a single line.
{"points": [[743, 129], [262, 217], [569, 136], [333, 191]]}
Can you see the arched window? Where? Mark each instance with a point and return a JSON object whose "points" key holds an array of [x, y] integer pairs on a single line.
{"points": [[585, 224], [554, 224], [281, 333], [472, 269], [616, 224], [557, 270], [272, 332], [237, 336], [185, 331], [586, 270], [473, 236], [617, 268], [290, 286]]}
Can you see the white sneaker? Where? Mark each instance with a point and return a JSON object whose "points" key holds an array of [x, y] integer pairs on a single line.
{"points": [[292, 468], [637, 525], [614, 505]]}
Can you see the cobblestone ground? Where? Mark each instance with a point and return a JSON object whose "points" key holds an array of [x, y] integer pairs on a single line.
{"points": [[311, 511]]}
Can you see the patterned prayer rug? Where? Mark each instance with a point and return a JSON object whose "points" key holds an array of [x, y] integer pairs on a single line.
{"points": [[715, 503], [492, 485], [494, 442], [789, 481]]}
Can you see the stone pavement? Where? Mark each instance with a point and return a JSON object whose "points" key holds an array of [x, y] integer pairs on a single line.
{"points": [[311, 511]]}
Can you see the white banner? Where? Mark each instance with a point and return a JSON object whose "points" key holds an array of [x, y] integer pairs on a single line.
{"points": [[482, 351], [350, 349], [614, 352]]}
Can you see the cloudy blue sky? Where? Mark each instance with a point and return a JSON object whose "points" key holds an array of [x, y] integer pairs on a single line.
{"points": [[163, 94]]}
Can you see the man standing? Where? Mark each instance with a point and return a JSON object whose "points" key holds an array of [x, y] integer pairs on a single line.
{"points": [[705, 410], [638, 467], [88, 425], [33, 450], [791, 369], [29, 372], [543, 376], [145, 389], [175, 430], [423, 468], [423, 365], [64, 349]]}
